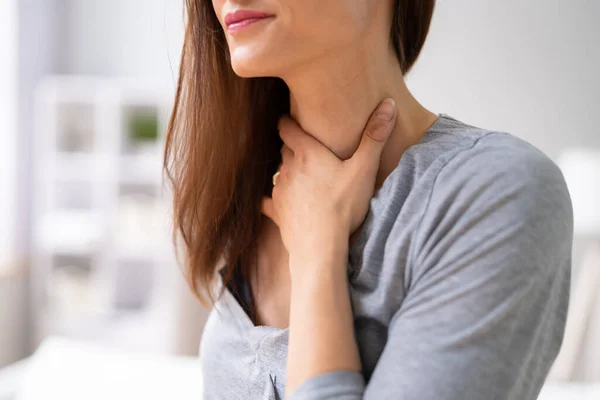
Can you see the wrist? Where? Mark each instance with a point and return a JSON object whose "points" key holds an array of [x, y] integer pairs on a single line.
{"points": [[327, 259], [322, 241]]}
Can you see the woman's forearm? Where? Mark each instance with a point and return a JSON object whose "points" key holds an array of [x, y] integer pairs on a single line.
{"points": [[321, 335]]}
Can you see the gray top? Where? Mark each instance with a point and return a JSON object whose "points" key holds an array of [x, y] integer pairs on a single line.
{"points": [[459, 283]]}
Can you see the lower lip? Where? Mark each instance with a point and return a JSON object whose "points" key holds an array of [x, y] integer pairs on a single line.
{"points": [[238, 26]]}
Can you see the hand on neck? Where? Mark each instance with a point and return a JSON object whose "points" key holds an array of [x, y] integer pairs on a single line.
{"points": [[333, 97]]}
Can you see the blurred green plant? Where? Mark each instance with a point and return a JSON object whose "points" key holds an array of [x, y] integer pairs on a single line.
{"points": [[143, 127]]}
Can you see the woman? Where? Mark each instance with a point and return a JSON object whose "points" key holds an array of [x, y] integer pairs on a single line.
{"points": [[360, 254]]}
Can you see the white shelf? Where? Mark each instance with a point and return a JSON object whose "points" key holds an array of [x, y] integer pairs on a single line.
{"points": [[101, 202], [140, 169], [71, 232], [75, 166], [134, 169], [145, 255]]}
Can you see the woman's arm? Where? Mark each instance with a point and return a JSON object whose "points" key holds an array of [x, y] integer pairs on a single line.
{"points": [[321, 337], [318, 200]]}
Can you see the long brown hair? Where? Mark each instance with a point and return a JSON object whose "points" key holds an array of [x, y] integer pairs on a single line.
{"points": [[222, 144]]}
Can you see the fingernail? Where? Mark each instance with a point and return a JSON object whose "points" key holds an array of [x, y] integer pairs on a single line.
{"points": [[387, 109]]}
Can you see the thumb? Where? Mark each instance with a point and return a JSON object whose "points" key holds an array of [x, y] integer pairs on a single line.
{"points": [[376, 133], [267, 208]]}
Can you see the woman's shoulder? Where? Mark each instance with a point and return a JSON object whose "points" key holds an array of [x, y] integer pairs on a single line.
{"points": [[481, 183], [449, 138], [455, 155], [454, 161], [467, 182]]}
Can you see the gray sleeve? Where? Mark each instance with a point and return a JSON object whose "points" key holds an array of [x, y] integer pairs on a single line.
{"points": [[484, 313]]}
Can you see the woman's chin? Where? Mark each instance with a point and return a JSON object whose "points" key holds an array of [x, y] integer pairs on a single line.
{"points": [[253, 65], [247, 69], [243, 71]]}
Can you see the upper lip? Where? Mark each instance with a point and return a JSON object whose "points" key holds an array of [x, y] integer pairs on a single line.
{"points": [[241, 15]]}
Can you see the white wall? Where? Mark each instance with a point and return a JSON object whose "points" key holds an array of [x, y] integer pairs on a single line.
{"points": [[12, 288], [40, 27], [8, 127], [527, 67], [133, 38]]}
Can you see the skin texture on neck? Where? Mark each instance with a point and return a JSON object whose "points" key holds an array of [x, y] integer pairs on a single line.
{"points": [[332, 98]]}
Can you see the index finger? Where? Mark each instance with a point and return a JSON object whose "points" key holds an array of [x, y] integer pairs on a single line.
{"points": [[294, 137]]}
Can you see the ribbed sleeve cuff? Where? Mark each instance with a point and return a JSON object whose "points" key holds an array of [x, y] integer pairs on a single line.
{"points": [[342, 385]]}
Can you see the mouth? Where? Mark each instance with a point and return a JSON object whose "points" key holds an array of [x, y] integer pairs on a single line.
{"points": [[241, 19]]}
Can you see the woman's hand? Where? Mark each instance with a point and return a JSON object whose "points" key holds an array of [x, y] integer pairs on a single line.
{"points": [[318, 197], [318, 201]]}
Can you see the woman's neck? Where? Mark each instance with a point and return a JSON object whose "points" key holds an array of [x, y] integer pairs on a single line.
{"points": [[333, 99]]}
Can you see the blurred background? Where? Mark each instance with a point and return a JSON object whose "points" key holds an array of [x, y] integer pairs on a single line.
{"points": [[88, 283]]}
